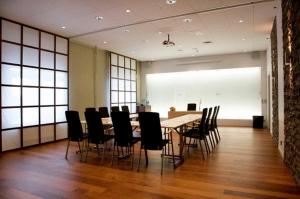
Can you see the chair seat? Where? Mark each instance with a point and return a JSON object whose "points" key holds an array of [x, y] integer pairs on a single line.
{"points": [[193, 133]]}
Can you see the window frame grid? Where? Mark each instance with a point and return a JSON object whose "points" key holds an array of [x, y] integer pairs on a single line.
{"points": [[39, 87]]}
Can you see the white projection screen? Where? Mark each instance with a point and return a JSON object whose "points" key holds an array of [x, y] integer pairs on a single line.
{"points": [[236, 90]]}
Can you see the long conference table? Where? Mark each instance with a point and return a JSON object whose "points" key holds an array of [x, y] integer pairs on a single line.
{"points": [[177, 124]]}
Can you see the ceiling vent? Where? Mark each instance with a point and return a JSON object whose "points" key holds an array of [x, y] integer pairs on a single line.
{"points": [[168, 43]]}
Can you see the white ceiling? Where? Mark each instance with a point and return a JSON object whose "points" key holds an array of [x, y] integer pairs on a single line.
{"points": [[143, 42]]}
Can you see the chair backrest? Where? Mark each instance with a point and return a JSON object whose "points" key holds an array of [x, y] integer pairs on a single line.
{"points": [[115, 109], [75, 131], [203, 120], [125, 109], [90, 109], [208, 120], [191, 107], [94, 127], [216, 118], [122, 128], [151, 135], [103, 112], [213, 118]]}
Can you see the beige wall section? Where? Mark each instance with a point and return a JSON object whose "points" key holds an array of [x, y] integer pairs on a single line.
{"points": [[89, 77]]}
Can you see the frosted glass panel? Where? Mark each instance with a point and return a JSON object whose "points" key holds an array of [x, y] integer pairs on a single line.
{"points": [[121, 73], [30, 56], [121, 85], [30, 136], [30, 116], [47, 115], [127, 85], [114, 97], [114, 84], [127, 96], [121, 97], [127, 74], [61, 131], [236, 90], [11, 53], [47, 96], [30, 96], [47, 133], [121, 61], [30, 77], [30, 37], [10, 74], [114, 59], [61, 96], [11, 118], [47, 59], [133, 86], [133, 75], [11, 139], [61, 45], [114, 71], [60, 113], [133, 64], [47, 41], [11, 31], [127, 62], [61, 79], [11, 96], [133, 96], [61, 62], [133, 108], [47, 78]]}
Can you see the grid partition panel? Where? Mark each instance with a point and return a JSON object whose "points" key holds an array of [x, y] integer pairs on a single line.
{"points": [[34, 86], [123, 81]]}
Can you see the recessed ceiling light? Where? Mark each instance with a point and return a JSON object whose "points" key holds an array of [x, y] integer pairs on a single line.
{"points": [[128, 11], [126, 30], [199, 33], [241, 21], [187, 20], [170, 2], [159, 32], [63, 27], [105, 42], [99, 18], [244, 39]]}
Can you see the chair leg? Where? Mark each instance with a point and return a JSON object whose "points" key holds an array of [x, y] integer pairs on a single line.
{"points": [[162, 162], [87, 150], [215, 136], [132, 158], [66, 156], [146, 156], [206, 146], [201, 149], [218, 134], [211, 144], [113, 154], [212, 138], [140, 159], [103, 152], [80, 149], [174, 165]]}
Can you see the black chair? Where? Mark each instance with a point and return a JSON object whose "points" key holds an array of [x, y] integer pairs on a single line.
{"points": [[115, 109], [75, 132], [123, 135], [103, 112], [151, 136], [216, 123], [206, 129], [198, 133], [191, 107], [90, 109], [125, 109], [212, 126], [96, 133]]}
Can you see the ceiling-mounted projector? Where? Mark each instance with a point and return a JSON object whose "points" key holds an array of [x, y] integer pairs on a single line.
{"points": [[168, 43]]}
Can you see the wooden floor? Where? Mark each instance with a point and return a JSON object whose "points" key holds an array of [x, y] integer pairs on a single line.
{"points": [[246, 164]]}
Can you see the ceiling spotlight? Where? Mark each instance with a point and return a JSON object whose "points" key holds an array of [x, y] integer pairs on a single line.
{"points": [[159, 32], [128, 11], [187, 20], [63, 27], [244, 39], [241, 21], [105, 42], [170, 2], [168, 43], [126, 30], [99, 18]]}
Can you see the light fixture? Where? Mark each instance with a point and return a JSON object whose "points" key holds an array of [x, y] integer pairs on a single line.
{"points": [[168, 43], [99, 18], [199, 33], [159, 32], [128, 11], [187, 20], [170, 2], [127, 30], [105, 42], [207, 42], [244, 39], [241, 21], [63, 27]]}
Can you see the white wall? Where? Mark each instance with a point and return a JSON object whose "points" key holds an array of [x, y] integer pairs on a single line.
{"points": [[280, 78], [238, 60]]}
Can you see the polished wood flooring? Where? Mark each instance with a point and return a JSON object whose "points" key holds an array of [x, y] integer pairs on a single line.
{"points": [[246, 164]]}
